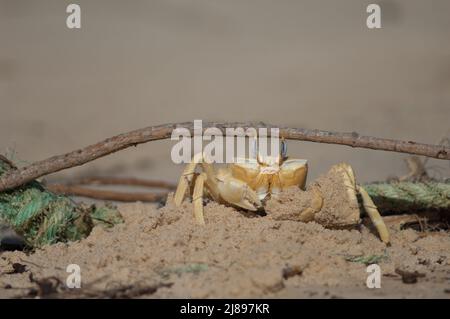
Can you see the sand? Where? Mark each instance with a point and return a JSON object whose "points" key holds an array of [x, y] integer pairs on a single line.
{"points": [[327, 201], [298, 64], [162, 253]]}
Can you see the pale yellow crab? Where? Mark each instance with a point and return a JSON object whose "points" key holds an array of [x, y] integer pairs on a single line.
{"points": [[249, 182]]}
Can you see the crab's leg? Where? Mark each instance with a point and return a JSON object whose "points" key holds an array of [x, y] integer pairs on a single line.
{"points": [[307, 214], [183, 184], [349, 182], [374, 215], [187, 176], [369, 206], [197, 198]]}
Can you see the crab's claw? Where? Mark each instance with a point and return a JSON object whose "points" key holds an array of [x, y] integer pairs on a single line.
{"points": [[238, 193]]}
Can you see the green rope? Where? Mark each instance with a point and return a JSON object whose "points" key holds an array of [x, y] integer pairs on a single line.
{"points": [[43, 218], [410, 196]]}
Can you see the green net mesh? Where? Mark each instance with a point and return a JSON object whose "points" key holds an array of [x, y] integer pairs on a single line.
{"points": [[410, 196], [42, 217]]}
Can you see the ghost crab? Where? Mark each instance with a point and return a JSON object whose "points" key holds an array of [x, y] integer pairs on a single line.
{"points": [[249, 182]]}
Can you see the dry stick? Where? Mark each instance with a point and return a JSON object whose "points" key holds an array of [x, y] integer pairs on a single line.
{"points": [[400, 220], [125, 181], [71, 190], [7, 162], [57, 163]]}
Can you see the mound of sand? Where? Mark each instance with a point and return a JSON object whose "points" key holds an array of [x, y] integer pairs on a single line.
{"points": [[327, 201], [235, 255]]}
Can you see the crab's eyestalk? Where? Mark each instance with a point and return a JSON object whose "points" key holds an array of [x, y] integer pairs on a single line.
{"points": [[283, 150]]}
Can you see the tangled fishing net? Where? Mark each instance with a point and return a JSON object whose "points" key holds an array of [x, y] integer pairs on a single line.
{"points": [[398, 197], [42, 217]]}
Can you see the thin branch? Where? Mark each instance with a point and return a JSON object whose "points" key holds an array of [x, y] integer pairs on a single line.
{"points": [[71, 190], [7, 162], [75, 188], [122, 181], [15, 178]]}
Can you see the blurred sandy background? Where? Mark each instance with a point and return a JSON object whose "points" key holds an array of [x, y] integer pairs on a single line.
{"points": [[310, 64]]}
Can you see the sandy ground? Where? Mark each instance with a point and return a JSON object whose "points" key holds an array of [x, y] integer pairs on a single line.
{"points": [[162, 253], [309, 64]]}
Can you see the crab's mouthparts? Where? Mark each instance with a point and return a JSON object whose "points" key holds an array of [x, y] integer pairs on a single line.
{"points": [[270, 170]]}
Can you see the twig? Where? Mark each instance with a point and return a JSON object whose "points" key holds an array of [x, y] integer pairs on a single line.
{"points": [[71, 190], [125, 181], [7, 162], [57, 163], [399, 221]]}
